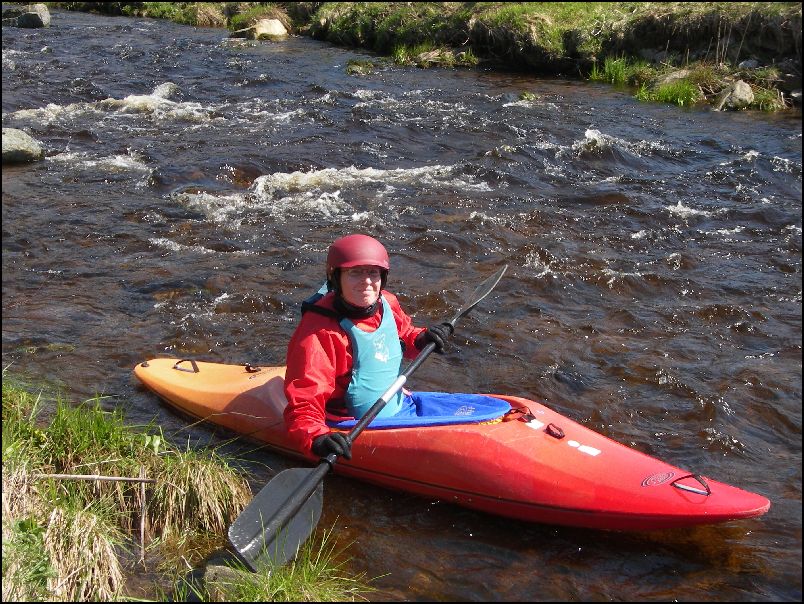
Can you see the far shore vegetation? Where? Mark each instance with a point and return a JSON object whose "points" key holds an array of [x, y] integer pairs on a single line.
{"points": [[74, 531], [685, 53]]}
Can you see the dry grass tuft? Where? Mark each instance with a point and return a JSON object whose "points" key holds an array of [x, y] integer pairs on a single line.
{"points": [[20, 498], [209, 14], [195, 492], [80, 541]]}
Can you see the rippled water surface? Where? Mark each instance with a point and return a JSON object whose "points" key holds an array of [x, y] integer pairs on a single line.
{"points": [[654, 289]]}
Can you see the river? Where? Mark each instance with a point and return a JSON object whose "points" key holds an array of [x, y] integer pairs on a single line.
{"points": [[193, 183]]}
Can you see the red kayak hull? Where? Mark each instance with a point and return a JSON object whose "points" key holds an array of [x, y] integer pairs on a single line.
{"points": [[538, 467]]}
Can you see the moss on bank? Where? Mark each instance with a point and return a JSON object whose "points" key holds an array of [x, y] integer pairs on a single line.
{"points": [[72, 539], [758, 42]]}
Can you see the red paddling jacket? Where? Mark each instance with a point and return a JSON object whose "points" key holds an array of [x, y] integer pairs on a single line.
{"points": [[319, 366]]}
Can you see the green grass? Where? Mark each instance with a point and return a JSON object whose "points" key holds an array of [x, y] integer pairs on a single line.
{"points": [[708, 77], [405, 55], [26, 564], [172, 11], [426, 54], [75, 540], [766, 76], [615, 71], [317, 574], [767, 100], [680, 92], [687, 86]]}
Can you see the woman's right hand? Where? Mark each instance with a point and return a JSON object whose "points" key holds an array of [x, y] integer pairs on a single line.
{"points": [[334, 442]]}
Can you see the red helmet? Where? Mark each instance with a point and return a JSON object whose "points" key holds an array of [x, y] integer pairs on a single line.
{"points": [[357, 250]]}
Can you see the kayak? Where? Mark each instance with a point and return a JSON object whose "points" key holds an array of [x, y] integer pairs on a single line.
{"points": [[531, 463]]}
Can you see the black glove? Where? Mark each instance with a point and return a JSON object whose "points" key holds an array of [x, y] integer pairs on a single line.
{"points": [[437, 334], [334, 442]]}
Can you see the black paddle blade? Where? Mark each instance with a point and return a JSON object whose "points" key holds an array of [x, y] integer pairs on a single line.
{"points": [[261, 544], [482, 290]]}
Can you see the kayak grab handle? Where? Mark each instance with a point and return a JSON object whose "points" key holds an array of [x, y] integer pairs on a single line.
{"points": [[192, 363], [685, 487]]}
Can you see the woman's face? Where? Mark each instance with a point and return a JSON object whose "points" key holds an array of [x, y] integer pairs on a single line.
{"points": [[360, 285]]}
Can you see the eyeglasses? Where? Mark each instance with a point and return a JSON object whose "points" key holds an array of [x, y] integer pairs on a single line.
{"points": [[361, 273]]}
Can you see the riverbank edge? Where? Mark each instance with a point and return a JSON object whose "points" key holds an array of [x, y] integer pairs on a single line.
{"points": [[672, 52], [80, 523]]}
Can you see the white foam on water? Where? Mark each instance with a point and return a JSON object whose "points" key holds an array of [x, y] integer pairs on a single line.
{"points": [[367, 95], [338, 178], [49, 113], [733, 231], [685, 212], [159, 104], [229, 209], [232, 209], [425, 109], [781, 164], [115, 163], [9, 56], [614, 275], [483, 218], [261, 110], [675, 260], [312, 203], [323, 194], [156, 105], [14, 53], [365, 217], [594, 140], [173, 246], [534, 261], [532, 104], [285, 116]]}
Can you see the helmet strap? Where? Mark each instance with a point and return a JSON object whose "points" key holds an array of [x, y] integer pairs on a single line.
{"points": [[334, 281], [351, 311]]}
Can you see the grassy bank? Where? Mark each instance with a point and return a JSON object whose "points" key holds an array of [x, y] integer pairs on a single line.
{"points": [[71, 539], [678, 52]]}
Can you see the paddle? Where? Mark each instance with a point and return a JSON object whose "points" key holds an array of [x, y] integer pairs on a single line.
{"points": [[284, 513]]}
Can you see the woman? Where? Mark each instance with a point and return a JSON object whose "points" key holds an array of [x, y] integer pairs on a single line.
{"points": [[348, 347]]}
